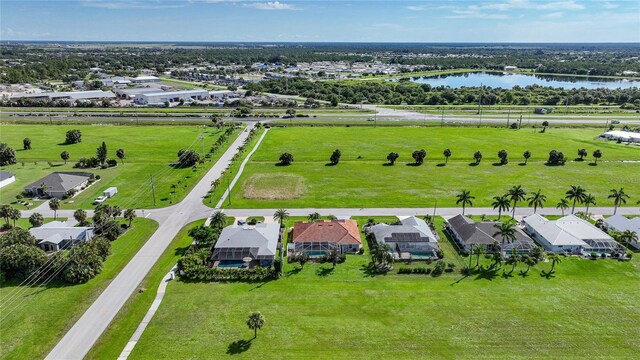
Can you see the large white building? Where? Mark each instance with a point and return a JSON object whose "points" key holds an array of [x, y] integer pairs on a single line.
{"points": [[626, 136], [569, 234], [171, 96], [145, 79], [66, 95]]}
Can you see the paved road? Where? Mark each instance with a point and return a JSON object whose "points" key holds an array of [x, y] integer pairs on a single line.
{"points": [[422, 211], [86, 331]]}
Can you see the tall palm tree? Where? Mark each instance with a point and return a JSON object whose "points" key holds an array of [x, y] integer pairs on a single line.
{"points": [[576, 193], [502, 203], [54, 204], [464, 198], [588, 200], [537, 200], [381, 254], [563, 205], [628, 236], [555, 259], [529, 261], [478, 250], [130, 214], [507, 231], [218, 220], [255, 321], [281, 215], [619, 197], [516, 194], [513, 260]]}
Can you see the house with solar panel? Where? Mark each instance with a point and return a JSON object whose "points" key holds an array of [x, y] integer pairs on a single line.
{"points": [[468, 233], [246, 246], [57, 235], [412, 238], [570, 235]]}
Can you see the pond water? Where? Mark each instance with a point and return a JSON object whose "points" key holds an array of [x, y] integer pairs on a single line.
{"points": [[509, 80]]}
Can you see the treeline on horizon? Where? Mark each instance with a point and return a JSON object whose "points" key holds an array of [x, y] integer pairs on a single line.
{"points": [[405, 92], [30, 63]]}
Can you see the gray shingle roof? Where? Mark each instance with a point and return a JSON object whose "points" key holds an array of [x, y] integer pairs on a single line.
{"points": [[411, 230], [61, 181], [5, 175], [481, 233], [236, 242], [57, 231]]}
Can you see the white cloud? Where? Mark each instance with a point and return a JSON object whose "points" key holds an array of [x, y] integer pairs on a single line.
{"points": [[609, 5], [416, 7], [271, 5], [553, 15], [125, 4], [534, 5]]}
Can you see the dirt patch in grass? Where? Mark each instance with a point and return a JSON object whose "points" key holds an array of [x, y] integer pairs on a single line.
{"points": [[274, 187]]}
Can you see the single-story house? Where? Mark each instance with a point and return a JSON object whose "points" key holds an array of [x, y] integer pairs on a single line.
{"points": [[412, 237], [6, 178], [57, 184], [569, 234], [57, 235], [320, 237], [468, 233], [621, 224], [237, 243]]}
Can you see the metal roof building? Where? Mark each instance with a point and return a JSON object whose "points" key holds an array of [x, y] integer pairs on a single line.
{"points": [[159, 97]]}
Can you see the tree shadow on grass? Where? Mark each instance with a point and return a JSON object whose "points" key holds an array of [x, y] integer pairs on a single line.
{"points": [[181, 250], [294, 271], [324, 272], [441, 164], [413, 164], [548, 275], [593, 164], [474, 164], [387, 164], [330, 164], [522, 164], [498, 164], [238, 346], [523, 273], [281, 164], [487, 274], [370, 270]]}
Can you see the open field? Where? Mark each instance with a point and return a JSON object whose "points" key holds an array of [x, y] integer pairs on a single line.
{"points": [[149, 151], [586, 309], [31, 326], [361, 179]]}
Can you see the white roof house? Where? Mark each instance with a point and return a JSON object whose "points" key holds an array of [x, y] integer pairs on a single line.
{"points": [[621, 223], [57, 235], [568, 234], [237, 242], [6, 178]]}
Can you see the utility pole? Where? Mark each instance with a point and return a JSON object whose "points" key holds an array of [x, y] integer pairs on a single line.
{"points": [[202, 138], [229, 189], [153, 191]]}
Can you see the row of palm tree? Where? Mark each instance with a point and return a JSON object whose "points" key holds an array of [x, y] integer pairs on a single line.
{"points": [[576, 194], [529, 260]]}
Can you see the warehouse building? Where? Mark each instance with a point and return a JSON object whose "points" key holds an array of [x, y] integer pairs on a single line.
{"points": [[160, 97], [145, 79], [67, 95], [131, 93]]}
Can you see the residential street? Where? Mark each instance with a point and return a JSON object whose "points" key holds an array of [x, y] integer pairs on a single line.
{"points": [[86, 331]]}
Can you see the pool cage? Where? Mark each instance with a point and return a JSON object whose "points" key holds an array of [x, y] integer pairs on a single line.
{"points": [[603, 246], [316, 248]]}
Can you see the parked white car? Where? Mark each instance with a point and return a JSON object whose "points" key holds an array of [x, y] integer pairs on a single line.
{"points": [[100, 199]]}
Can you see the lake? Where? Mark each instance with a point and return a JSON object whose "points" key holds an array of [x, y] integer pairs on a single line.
{"points": [[509, 80]]}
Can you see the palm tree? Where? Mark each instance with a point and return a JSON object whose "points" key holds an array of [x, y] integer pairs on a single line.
{"points": [[513, 260], [281, 215], [576, 193], [129, 214], [381, 254], [497, 259], [516, 194], [303, 258], [537, 200], [563, 205], [619, 197], [333, 256], [529, 261], [218, 220], [507, 232], [588, 200], [80, 216], [54, 204], [255, 321], [596, 155], [314, 217], [501, 203], [478, 250], [446, 154], [477, 156], [526, 155], [628, 236], [464, 198], [555, 259]]}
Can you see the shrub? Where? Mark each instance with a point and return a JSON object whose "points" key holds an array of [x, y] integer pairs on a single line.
{"points": [[112, 162], [73, 137], [594, 255], [439, 268]]}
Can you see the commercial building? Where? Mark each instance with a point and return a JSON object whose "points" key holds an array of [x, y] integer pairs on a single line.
{"points": [[160, 97], [145, 79], [66, 95], [131, 93], [619, 135]]}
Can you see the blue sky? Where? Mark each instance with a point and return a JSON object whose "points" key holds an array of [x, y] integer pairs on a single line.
{"points": [[282, 20]]}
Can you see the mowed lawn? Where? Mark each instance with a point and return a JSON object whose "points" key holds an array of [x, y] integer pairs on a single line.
{"points": [[587, 309], [33, 319], [362, 179], [149, 151]]}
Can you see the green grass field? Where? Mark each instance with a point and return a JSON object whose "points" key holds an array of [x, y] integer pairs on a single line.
{"points": [[586, 310], [149, 151], [361, 179], [31, 326]]}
